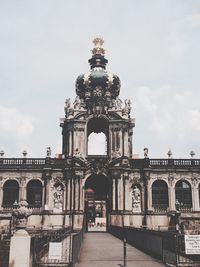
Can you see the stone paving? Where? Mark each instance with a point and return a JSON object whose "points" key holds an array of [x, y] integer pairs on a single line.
{"points": [[105, 250]]}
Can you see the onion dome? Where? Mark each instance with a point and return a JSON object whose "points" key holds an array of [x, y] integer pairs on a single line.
{"points": [[98, 88]]}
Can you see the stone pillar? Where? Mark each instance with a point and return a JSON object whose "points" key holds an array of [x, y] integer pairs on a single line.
{"points": [[128, 199], [113, 195], [120, 193], [172, 197], [20, 249], [46, 194], [149, 202], [195, 198], [22, 189], [76, 194], [1, 197], [81, 195]]}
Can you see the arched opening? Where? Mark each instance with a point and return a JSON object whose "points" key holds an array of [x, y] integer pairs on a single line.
{"points": [[160, 200], [97, 191], [183, 195], [97, 136], [34, 193], [10, 193]]}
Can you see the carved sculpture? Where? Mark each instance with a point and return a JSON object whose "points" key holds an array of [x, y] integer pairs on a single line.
{"points": [[136, 199], [21, 214], [58, 197]]}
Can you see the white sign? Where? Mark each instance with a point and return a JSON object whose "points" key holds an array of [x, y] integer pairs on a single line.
{"points": [[192, 244], [55, 250]]}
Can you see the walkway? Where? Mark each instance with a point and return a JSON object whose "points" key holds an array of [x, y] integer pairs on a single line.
{"points": [[105, 250]]}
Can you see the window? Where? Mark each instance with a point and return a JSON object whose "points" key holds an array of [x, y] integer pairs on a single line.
{"points": [[97, 144], [98, 135], [10, 193], [34, 193], [183, 194], [160, 195]]}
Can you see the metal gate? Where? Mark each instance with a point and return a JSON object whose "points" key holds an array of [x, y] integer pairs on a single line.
{"points": [[52, 248], [182, 258], [174, 251]]}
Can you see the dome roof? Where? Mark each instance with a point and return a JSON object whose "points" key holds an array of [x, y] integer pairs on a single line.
{"points": [[98, 87]]}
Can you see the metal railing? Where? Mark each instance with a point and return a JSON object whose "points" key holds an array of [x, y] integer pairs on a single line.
{"points": [[168, 246], [77, 239], [41, 244]]}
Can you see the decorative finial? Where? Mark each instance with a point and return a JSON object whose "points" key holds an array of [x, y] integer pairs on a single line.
{"points": [[24, 153], [192, 153], [98, 41], [2, 153], [21, 213], [169, 154], [98, 49]]}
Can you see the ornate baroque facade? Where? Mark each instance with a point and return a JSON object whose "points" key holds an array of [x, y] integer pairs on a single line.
{"points": [[63, 191]]}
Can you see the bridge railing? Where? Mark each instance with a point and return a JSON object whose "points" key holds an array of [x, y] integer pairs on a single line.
{"points": [[77, 239], [144, 238]]}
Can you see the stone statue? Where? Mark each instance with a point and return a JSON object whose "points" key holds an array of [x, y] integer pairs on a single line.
{"points": [[146, 151], [77, 153], [127, 106], [58, 198], [119, 103], [49, 151], [67, 105], [77, 103], [136, 199]]}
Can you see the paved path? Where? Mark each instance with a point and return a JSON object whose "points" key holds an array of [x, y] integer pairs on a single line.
{"points": [[105, 250]]}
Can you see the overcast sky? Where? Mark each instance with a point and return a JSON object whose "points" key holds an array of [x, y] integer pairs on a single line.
{"points": [[153, 46]]}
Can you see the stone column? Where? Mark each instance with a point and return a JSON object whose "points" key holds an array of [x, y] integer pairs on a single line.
{"points": [[172, 197], [120, 193], [149, 202], [195, 197], [22, 189], [113, 195], [20, 246], [1, 196], [81, 195], [76, 194]]}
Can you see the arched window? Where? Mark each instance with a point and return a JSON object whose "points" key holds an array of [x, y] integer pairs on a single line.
{"points": [[97, 144], [183, 194], [10, 192], [160, 199], [34, 193], [97, 134]]}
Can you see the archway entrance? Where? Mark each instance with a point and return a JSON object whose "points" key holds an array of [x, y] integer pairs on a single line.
{"points": [[97, 203]]}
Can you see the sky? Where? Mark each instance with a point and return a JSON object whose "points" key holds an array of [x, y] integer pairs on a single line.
{"points": [[153, 46]]}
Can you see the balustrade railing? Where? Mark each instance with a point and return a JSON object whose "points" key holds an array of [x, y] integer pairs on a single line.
{"points": [[174, 162], [135, 163], [185, 208], [160, 208], [22, 161]]}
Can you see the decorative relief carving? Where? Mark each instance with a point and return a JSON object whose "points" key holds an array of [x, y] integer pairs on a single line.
{"points": [[116, 154], [58, 197], [171, 179], [98, 167], [194, 179]]}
